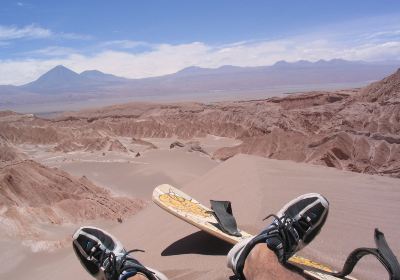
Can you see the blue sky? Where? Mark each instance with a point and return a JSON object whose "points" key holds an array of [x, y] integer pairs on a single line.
{"points": [[149, 38]]}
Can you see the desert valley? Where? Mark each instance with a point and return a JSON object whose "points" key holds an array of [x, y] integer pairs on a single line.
{"points": [[205, 140], [99, 167]]}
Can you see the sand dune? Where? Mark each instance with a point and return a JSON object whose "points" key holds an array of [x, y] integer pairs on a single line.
{"points": [[257, 187], [137, 178]]}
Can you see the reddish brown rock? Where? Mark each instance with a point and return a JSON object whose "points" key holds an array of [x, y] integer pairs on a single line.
{"points": [[117, 146], [143, 143], [32, 194], [356, 130], [387, 90]]}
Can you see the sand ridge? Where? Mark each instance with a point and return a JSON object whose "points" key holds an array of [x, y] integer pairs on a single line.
{"points": [[258, 186]]}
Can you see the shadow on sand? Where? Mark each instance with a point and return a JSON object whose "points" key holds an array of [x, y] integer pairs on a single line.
{"points": [[198, 243]]}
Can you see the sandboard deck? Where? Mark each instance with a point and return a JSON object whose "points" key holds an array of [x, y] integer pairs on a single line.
{"points": [[186, 208]]}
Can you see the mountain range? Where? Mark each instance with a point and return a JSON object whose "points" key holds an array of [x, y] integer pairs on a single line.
{"points": [[61, 83], [61, 79]]}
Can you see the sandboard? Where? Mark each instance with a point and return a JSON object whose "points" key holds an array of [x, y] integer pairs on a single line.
{"points": [[186, 208]]}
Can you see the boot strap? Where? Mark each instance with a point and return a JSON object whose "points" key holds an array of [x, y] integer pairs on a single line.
{"points": [[222, 211], [383, 253]]}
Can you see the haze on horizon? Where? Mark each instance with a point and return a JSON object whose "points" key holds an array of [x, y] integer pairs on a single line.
{"points": [[255, 102], [137, 39]]}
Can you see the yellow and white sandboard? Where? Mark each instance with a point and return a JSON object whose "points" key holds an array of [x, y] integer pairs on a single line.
{"points": [[186, 208]]}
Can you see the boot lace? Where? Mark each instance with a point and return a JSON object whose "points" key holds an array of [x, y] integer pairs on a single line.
{"points": [[107, 260], [288, 231]]}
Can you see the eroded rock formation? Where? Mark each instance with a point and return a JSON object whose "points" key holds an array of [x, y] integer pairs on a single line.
{"points": [[33, 195], [356, 130]]}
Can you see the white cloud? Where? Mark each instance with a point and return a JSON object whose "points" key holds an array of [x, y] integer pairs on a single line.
{"points": [[20, 72], [73, 36], [33, 31], [50, 51], [382, 51], [29, 31], [383, 34], [137, 59], [165, 58], [124, 44]]}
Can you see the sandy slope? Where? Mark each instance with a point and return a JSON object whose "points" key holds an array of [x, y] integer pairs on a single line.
{"points": [[139, 177], [257, 187], [359, 203], [134, 176], [122, 174]]}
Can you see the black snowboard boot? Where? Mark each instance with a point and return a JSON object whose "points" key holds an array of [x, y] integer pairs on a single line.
{"points": [[104, 257], [293, 227]]}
